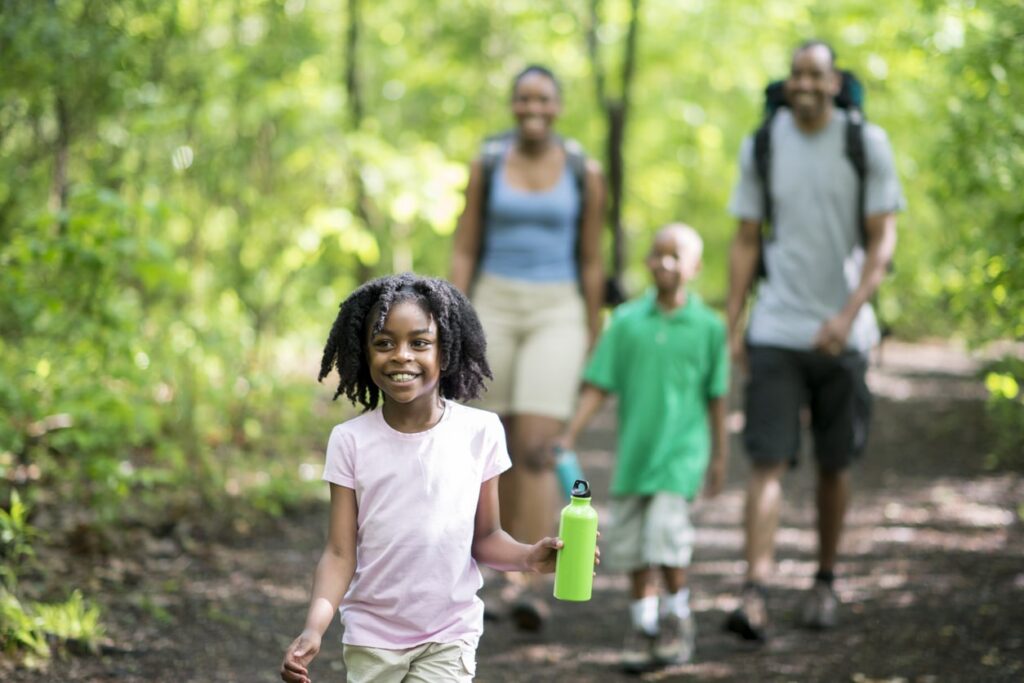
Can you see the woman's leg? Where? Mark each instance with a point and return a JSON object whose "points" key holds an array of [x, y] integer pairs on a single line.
{"points": [[534, 504]]}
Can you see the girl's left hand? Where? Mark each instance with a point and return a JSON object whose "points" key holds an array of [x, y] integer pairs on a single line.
{"points": [[542, 555]]}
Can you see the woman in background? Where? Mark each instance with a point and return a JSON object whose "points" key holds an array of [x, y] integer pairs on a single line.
{"points": [[527, 250]]}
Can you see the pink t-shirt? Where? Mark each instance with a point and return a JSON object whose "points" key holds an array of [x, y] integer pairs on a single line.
{"points": [[416, 580]]}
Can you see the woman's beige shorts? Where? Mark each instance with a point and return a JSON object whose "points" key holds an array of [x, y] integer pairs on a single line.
{"points": [[536, 345]]}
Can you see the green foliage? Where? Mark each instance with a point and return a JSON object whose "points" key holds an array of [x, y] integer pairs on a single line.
{"points": [[30, 629], [75, 620], [1004, 381], [19, 630], [981, 278], [16, 538]]}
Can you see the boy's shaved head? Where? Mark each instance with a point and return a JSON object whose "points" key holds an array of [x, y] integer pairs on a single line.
{"points": [[692, 243]]}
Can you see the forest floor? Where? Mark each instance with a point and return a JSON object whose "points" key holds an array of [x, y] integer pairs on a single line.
{"points": [[932, 580]]}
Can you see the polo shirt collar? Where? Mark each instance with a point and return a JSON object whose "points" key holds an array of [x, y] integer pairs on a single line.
{"points": [[651, 304]]}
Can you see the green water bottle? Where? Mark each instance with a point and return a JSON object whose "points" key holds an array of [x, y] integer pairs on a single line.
{"points": [[574, 567]]}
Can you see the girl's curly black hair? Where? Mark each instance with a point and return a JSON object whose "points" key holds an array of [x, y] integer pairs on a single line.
{"points": [[463, 347]]}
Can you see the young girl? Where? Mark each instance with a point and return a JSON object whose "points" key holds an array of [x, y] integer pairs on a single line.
{"points": [[414, 489]]}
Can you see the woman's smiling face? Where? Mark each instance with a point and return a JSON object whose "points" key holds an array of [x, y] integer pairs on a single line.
{"points": [[404, 357], [536, 104]]}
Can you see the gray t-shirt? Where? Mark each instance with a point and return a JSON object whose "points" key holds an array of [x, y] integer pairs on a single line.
{"points": [[815, 258]]}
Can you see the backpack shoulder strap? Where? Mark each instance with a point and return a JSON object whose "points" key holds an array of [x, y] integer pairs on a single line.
{"points": [[763, 166], [856, 154], [492, 151], [576, 158]]}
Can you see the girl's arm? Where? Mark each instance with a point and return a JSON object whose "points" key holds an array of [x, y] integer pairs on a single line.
{"points": [[330, 583], [466, 245], [591, 263], [493, 547]]}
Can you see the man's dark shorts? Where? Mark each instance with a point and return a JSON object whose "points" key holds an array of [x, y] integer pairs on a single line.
{"points": [[782, 381]]}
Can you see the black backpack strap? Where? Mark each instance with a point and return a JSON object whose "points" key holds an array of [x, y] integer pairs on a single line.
{"points": [[576, 160], [763, 166], [855, 153], [492, 151]]}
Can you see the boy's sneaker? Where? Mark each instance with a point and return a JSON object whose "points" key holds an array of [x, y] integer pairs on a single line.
{"points": [[638, 651], [821, 607], [676, 640], [750, 620]]}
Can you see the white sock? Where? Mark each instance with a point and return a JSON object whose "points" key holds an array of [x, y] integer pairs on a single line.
{"points": [[677, 603], [645, 614]]}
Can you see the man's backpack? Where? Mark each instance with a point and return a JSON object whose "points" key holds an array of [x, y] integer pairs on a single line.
{"points": [[493, 151], [850, 98]]}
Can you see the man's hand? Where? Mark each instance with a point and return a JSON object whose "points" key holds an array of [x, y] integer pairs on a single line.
{"points": [[295, 667], [832, 336]]}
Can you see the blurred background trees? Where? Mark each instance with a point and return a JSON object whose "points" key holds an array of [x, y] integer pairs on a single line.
{"points": [[188, 189]]}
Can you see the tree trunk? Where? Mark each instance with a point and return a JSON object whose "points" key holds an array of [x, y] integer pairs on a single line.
{"points": [[60, 183], [363, 205], [617, 112]]}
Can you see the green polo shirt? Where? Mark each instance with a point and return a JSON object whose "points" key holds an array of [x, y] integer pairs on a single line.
{"points": [[664, 367]]}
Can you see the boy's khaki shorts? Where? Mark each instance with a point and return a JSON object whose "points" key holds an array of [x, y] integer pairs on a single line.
{"points": [[648, 531], [426, 663], [536, 345]]}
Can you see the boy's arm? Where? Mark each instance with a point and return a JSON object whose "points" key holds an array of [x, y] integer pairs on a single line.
{"points": [[333, 574], [493, 547], [592, 398], [719, 447]]}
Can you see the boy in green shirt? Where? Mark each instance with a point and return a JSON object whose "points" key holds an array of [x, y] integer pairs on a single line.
{"points": [[665, 356]]}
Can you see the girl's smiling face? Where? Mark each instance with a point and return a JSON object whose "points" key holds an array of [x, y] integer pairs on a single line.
{"points": [[404, 357]]}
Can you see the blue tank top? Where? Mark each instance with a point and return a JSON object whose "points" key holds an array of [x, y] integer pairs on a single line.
{"points": [[532, 235]]}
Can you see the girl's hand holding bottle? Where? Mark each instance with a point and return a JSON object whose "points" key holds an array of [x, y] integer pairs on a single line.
{"points": [[542, 556], [544, 553]]}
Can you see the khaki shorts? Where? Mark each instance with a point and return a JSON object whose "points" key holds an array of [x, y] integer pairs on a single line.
{"points": [[536, 345], [648, 531], [426, 663]]}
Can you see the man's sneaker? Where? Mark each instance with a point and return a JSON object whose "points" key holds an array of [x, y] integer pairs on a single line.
{"points": [[676, 639], [638, 651], [750, 620], [821, 607]]}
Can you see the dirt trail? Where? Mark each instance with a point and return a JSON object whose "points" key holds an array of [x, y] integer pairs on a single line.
{"points": [[932, 577]]}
